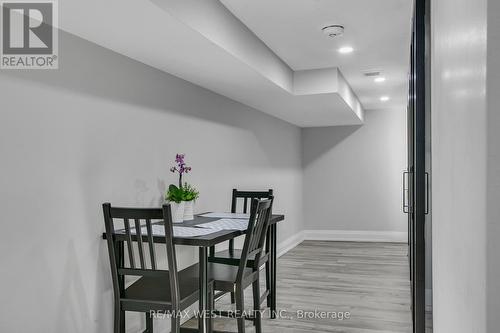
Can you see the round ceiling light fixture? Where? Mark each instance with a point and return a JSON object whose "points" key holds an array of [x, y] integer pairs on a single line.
{"points": [[333, 31]]}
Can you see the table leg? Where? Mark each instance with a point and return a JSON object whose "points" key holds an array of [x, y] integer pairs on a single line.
{"points": [[203, 285], [273, 270]]}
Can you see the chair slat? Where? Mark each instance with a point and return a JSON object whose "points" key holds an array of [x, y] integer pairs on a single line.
{"points": [[151, 244], [143, 272], [256, 231], [136, 213], [139, 242], [253, 194], [129, 243], [245, 204]]}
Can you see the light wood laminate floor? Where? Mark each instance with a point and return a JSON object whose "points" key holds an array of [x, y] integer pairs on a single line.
{"points": [[368, 280]]}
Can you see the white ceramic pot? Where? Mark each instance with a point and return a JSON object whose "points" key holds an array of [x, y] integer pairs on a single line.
{"points": [[188, 210], [177, 211]]}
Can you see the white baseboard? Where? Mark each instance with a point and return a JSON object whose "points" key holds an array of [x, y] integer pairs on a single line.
{"points": [[290, 243], [356, 236]]}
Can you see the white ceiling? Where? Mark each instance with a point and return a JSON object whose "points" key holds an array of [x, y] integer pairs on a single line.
{"points": [[202, 42], [378, 30]]}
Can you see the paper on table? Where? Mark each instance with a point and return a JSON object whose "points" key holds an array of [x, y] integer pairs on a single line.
{"points": [[191, 232], [227, 215], [225, 224], [159, 230]]}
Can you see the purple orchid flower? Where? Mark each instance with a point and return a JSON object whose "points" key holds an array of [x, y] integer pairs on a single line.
{"points": [[181, 167]]}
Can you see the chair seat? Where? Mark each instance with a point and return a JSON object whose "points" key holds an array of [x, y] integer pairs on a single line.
{"points": [[224, 276], [233, 258], [154, 291]]}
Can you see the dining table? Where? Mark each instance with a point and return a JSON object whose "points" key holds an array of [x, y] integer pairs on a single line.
{"points": [[204, 242]]}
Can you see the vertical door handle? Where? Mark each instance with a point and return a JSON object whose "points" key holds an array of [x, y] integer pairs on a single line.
{"points": [[426, 193], [406, 205]]}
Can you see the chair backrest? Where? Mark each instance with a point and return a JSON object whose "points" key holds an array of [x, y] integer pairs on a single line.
{"points": [[138, 229], [247, 197], [260, 216]]}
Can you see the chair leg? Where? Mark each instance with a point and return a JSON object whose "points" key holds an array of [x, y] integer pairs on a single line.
{"points": [[232, 298], [175, 324], [231, 251], [119, 321], [149, 323], [122, 322], [240, 309], [256, 306], [211, 306], [268, 284], [212, 300], [268, 267]]}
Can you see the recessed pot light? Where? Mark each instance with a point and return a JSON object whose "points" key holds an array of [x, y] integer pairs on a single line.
{"points": [[384, 98], [346, 49], [379, 79], [371, 73]]}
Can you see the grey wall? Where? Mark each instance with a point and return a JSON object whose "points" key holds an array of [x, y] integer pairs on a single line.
{"points": [[106, 128], [493, 173], [459, 164], [353, 174]]}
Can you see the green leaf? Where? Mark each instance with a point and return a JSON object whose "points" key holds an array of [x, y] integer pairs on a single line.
{"points": [[190, 193], [185, 193], [174, 194]]}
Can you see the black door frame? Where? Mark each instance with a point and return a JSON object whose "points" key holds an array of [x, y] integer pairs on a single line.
{"points": [[417, 176]]}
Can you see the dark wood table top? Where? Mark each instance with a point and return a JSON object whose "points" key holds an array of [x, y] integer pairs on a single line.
{"points": [[204, 240]]}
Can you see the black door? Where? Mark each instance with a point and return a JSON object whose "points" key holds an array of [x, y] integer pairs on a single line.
{"points": [[415, 178]]}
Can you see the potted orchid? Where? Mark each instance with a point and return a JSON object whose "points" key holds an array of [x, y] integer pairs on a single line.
{"points": [[189, 195], [181, 197]]}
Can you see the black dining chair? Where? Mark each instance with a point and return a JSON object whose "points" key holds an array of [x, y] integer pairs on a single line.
{"points": [[232, 256], [236, 278], [165, 291]]}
